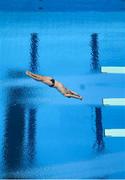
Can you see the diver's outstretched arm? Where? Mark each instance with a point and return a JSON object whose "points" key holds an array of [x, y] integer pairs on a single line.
{"points": [[74, 93], [74, 96]]}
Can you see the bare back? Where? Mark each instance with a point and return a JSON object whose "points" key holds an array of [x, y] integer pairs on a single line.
{"points": [[60, 87]]}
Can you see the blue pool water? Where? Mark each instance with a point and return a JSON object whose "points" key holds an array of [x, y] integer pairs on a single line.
{"points": [[62, 5], [42, 133]]}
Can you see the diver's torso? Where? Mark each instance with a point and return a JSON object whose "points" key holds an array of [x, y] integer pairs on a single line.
{"points": [[60, 87]]}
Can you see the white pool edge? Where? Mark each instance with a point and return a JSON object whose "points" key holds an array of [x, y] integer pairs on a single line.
{"points": [[115, 132], [112, 69], [113, 101]]}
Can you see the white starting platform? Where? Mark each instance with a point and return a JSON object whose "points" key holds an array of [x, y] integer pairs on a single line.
{"points": [[115, 132], [110, 69], [113, 101]]}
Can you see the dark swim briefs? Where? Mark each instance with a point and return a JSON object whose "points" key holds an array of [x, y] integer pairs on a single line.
{"points": [[53, 83]]}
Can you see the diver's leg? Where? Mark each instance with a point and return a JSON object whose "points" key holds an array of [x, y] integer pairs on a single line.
{"points": [[38, 77], [44, 79], [34, 76]]}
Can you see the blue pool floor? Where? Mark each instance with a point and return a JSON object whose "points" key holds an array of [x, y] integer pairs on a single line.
{"points": [[42, 133]]}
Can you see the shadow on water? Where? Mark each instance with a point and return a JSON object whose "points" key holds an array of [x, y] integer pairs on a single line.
{"points": [[95, 65], [14, 74], [15, 119], [40, 8], [99, 144]]}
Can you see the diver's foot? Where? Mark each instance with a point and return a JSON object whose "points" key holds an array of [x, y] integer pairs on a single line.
{"points": [[29, 74], [34, 76]]}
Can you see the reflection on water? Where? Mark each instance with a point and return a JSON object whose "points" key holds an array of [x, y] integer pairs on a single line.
{"points": [[34, 52], [32, 110], [95, 65], [32, 134], [14, 129], [16, 119], [99, 129]]}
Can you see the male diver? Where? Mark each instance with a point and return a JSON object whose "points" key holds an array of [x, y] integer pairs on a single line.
{"points": [[55, 84]]}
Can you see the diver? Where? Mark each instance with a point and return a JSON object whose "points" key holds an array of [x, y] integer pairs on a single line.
{"points": [[55, 84]]}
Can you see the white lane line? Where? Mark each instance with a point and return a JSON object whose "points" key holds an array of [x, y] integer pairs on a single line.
{"points": [[114, 101], [115, 132], [110, 69]]}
